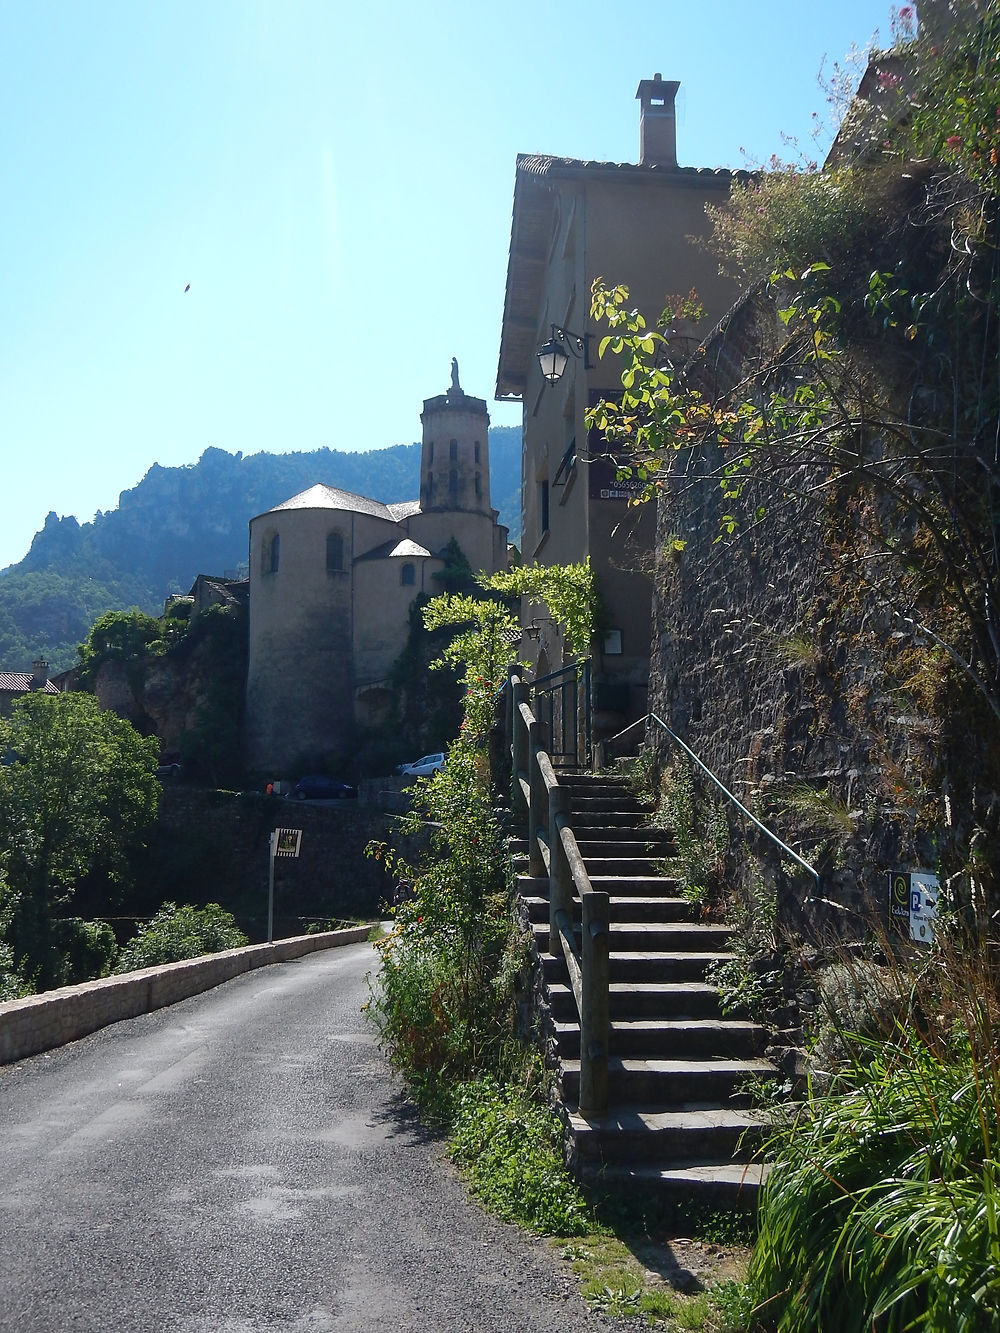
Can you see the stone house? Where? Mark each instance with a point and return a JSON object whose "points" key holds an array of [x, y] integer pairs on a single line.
{"points": [[333, 576], [14, 684], [633, 223]]}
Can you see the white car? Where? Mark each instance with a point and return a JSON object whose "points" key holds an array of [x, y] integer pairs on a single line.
{"points": [[423, 768]]}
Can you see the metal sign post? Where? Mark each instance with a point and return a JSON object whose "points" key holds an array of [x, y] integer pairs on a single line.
{"points": [[282, 842]]}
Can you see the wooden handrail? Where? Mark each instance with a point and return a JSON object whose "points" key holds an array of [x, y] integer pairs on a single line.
{"points": [[540, 801]]}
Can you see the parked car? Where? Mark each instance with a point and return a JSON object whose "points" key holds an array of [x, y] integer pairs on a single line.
{"points": [[169, 772], [319, 787], [423, 768]]}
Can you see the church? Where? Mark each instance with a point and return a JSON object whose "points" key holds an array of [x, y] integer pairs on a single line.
{"points": [[333, 576]]}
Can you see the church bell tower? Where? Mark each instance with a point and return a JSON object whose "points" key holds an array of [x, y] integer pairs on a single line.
{"points": [[455, 458]]}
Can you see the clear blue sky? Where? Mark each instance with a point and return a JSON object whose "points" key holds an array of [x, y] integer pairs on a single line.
{"points": [[335, 183]]}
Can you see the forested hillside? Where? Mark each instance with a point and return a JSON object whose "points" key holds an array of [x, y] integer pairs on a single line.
{"points": [[182, 521]]}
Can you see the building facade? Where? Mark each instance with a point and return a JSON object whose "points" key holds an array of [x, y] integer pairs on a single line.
{"points": [[333, 576], [638, 224]]}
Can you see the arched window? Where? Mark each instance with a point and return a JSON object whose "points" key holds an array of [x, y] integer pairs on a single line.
{"points": [[270, 554], [453, 452], [408, 575], [334, 552]]}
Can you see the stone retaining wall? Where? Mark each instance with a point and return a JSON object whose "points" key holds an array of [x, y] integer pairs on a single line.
{"points": [[40, 1022]]}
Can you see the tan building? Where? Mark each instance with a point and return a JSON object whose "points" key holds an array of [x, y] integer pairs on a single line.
{"points": [[332, 578], [574, 221], [14, 684]]}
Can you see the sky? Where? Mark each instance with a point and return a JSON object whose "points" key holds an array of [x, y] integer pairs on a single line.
{"points": [[334, 182]]}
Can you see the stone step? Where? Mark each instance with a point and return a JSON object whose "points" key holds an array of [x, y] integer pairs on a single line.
{"points": [[589, 799], [646, 936], [606, 819], [677, 1084], [717, 1183], [642, 889], [652, 842], [650, 938], [651, 999], [691, 1039], [662, 966], [644, 908], [621, 844], [607, 860], [632, 1133]]}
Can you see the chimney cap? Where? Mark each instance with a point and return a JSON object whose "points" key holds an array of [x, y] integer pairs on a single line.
{"points": [[657, 89]]}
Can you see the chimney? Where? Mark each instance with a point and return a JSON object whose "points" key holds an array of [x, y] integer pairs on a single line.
{"points": [[39, 673], [657, 122]]}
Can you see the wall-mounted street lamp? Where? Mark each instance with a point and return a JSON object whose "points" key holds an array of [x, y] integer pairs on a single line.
{"points": [[554, 355], [533, 631]]}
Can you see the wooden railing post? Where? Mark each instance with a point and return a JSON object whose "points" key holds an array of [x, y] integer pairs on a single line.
{"points": [[595, 1010], [560, 874], [522, 754], [538, 815], [508, 720]]}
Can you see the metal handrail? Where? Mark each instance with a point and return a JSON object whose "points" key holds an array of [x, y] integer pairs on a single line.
{"points": [[735, 800]]}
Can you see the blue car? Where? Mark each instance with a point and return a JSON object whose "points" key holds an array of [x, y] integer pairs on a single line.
{"points": [[319, 787]]}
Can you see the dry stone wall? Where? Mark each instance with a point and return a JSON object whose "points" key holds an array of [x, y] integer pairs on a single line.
{"points": [[795, 680]]}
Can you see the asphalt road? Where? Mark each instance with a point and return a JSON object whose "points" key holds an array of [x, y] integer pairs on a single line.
{"points": [[245, 1161]]}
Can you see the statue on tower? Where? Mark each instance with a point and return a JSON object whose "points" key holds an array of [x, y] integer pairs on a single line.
{"points": [[454, 375]]}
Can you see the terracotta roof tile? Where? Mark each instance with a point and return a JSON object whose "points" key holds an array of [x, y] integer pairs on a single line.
{"points": [[23, 682]]}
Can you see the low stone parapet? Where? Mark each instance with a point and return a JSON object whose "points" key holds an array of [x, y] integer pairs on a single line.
{"points": [[40, 1022]]}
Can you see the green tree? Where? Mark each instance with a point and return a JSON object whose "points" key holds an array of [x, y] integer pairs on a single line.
{"points": [[181, 932], [77, 791], [118, 636], [12, 984]]}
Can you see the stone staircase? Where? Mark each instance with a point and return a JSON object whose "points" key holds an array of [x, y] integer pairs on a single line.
{"points": [[679, 1120]]}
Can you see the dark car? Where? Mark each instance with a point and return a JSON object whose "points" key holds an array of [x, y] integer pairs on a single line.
{"points": [[318, 787]]}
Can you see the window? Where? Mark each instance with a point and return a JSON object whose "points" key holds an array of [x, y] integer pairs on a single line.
{"points": [[453, 452], [613, 643], [477, 451], [543, 505], [430, 451], [408, 575], [453, 483], [334, 552], [270, 554]]}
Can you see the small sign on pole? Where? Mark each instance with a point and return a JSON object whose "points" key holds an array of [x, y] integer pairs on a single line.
{"points": [[288, 841], [913, 903], [282, 842]]}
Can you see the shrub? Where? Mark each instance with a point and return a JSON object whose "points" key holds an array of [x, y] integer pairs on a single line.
{"points": [[88, 947], [788, 217], [881, 1210], [181, 932], [510, 1148]]}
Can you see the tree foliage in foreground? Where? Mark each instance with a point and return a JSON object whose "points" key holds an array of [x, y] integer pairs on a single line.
{"points": [[77, 788]]}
